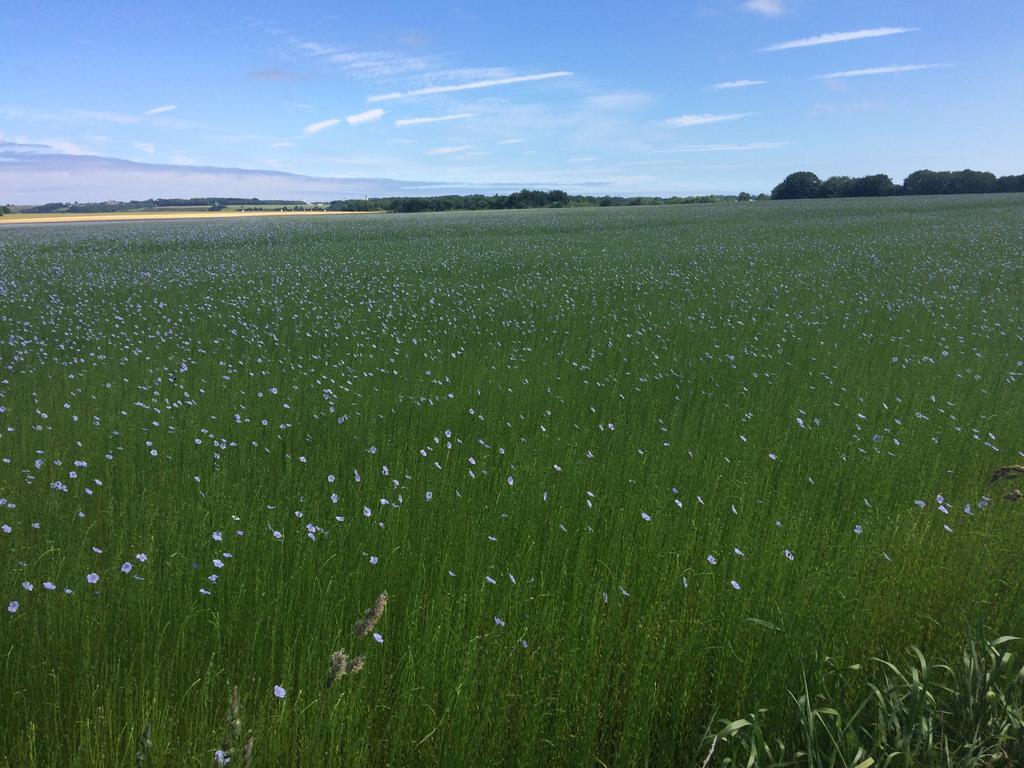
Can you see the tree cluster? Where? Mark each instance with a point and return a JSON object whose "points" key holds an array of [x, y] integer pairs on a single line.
{"points": [[805, 185], [526, 198]]}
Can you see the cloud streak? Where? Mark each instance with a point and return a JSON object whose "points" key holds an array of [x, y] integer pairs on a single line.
{"points": [[448, 150], [425, 120], [160, 110], [839, 37], [368, 116], [688, 121], [313, 128], [737, 84], [880, 71], [436, 89]]}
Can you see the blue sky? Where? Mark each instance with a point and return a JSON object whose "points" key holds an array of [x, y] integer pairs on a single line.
{"points": [[105, 100]]}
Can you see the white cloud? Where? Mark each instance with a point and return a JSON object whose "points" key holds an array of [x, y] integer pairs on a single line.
{"points": [[737, 84], [880, 71], [688, 121], [312, 128], [365, 117], [425, 120], [159, 110], [840, 37], [448, 150], [66, 147], [512, 141], [435, 89], [145, 146], [765, 7]]}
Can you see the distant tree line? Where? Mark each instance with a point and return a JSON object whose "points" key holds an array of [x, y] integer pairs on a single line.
{"points": [[526, 198], [804, 184], [116, 206]]}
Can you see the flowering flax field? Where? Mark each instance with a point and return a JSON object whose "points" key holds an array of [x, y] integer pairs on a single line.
{"points": [[518, 488]]}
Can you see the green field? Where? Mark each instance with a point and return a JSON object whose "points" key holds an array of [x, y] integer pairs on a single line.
{"points": [[622, 473]]}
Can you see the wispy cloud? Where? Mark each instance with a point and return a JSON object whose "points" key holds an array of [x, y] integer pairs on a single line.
{"points": [[448, 150], [11, 144], [840, 37], [160, 110], [435, 89], [365, 64], [737, 84], [145, 146], [425, 120], [365, 117], [688, 121], [765, 7], [619, 101], [880, 71], [751, 146], [312, 128], [512, 141]]}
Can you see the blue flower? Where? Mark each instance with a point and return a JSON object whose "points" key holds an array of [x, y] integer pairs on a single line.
{"points": [[279, 692]]}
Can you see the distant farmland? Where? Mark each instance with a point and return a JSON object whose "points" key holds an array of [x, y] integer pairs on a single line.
{"points": [[622, 473]]}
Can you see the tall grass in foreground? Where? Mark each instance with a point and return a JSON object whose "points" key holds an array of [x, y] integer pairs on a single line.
{"points": [[621, 474], [968, 713]]}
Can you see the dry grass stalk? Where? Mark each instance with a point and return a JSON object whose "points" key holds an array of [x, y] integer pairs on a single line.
{"points": [[144, 745], [1003, 473], [373, 614], [342, 665], [233, 721], [234, 716], [247, 752]]}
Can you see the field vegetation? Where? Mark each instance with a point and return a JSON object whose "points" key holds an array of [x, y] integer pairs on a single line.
{"points": [[674, 485]]}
